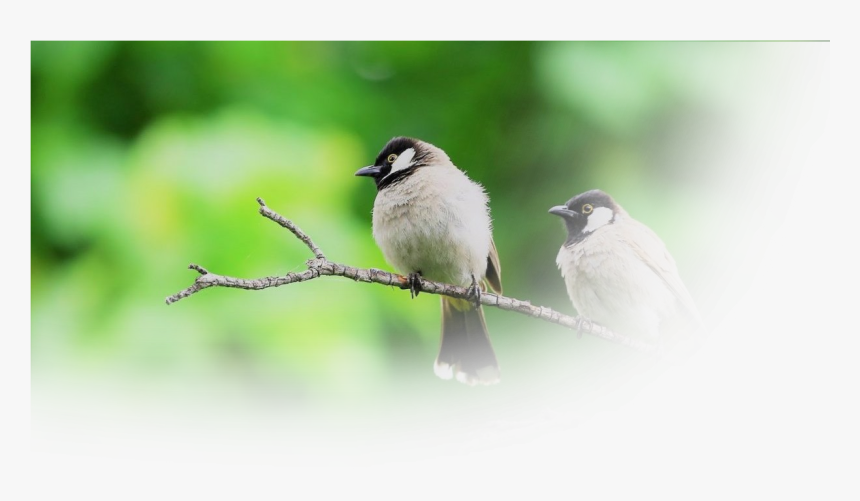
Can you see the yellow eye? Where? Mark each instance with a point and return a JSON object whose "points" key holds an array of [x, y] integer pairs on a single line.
{"points": [[391, 158], [587, 209]]}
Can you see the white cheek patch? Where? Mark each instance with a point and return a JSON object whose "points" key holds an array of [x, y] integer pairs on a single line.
{"points": [[600, 217], [403, 161]]}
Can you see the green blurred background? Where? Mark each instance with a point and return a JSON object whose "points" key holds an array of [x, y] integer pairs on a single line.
{"points": [[148, 156]]}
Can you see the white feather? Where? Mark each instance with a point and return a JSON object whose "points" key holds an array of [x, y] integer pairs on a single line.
{"points": [[403, 161], [600, 217], [443, 370]]}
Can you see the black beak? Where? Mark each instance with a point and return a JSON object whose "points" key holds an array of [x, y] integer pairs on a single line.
{"points": [[563, 211], [370, 171]]}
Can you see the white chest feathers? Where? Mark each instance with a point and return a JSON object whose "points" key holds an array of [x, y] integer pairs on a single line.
{"points": [[435, 221], [609, 282]]}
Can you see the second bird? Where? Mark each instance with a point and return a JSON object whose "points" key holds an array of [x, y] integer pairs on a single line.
{"points": [[619, 273], [430, 220]]}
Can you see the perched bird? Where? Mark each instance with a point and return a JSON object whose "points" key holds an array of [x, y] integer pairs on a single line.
{"points": [[619, 274], [430, 220]]}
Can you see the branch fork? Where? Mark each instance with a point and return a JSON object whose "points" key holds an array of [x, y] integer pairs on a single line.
{"points": [[320, 266]]}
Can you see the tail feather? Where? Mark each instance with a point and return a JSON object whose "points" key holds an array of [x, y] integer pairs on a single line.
{"points": [[465, 352]]}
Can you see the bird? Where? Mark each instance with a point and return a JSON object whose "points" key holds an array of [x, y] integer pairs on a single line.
{"points": [[619, 273], [430, 220]]}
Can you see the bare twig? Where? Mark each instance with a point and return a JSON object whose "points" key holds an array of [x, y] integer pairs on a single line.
{"points": [[321, 266], [286, 223]]}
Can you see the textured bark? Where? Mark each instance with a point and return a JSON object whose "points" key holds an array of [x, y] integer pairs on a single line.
{"points": [[321, 266]]}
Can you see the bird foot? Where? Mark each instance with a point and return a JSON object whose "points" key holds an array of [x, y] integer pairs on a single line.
{"points": [[414, 284], [475, 292]]}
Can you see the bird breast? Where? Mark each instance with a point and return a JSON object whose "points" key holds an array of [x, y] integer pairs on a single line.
{"points": [[435, 221], [610, 284]]}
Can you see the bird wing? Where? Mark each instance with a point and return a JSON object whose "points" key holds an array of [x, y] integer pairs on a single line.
{"points": [[652, 251], [494, 269]]}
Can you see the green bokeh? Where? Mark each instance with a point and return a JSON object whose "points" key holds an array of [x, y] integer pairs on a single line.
{"points": [[148, 156]]}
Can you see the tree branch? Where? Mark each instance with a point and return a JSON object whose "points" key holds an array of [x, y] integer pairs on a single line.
{"points": [[321, 266]]}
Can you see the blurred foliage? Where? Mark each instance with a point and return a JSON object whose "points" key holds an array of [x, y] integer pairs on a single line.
{"points": [[148, 156]]}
